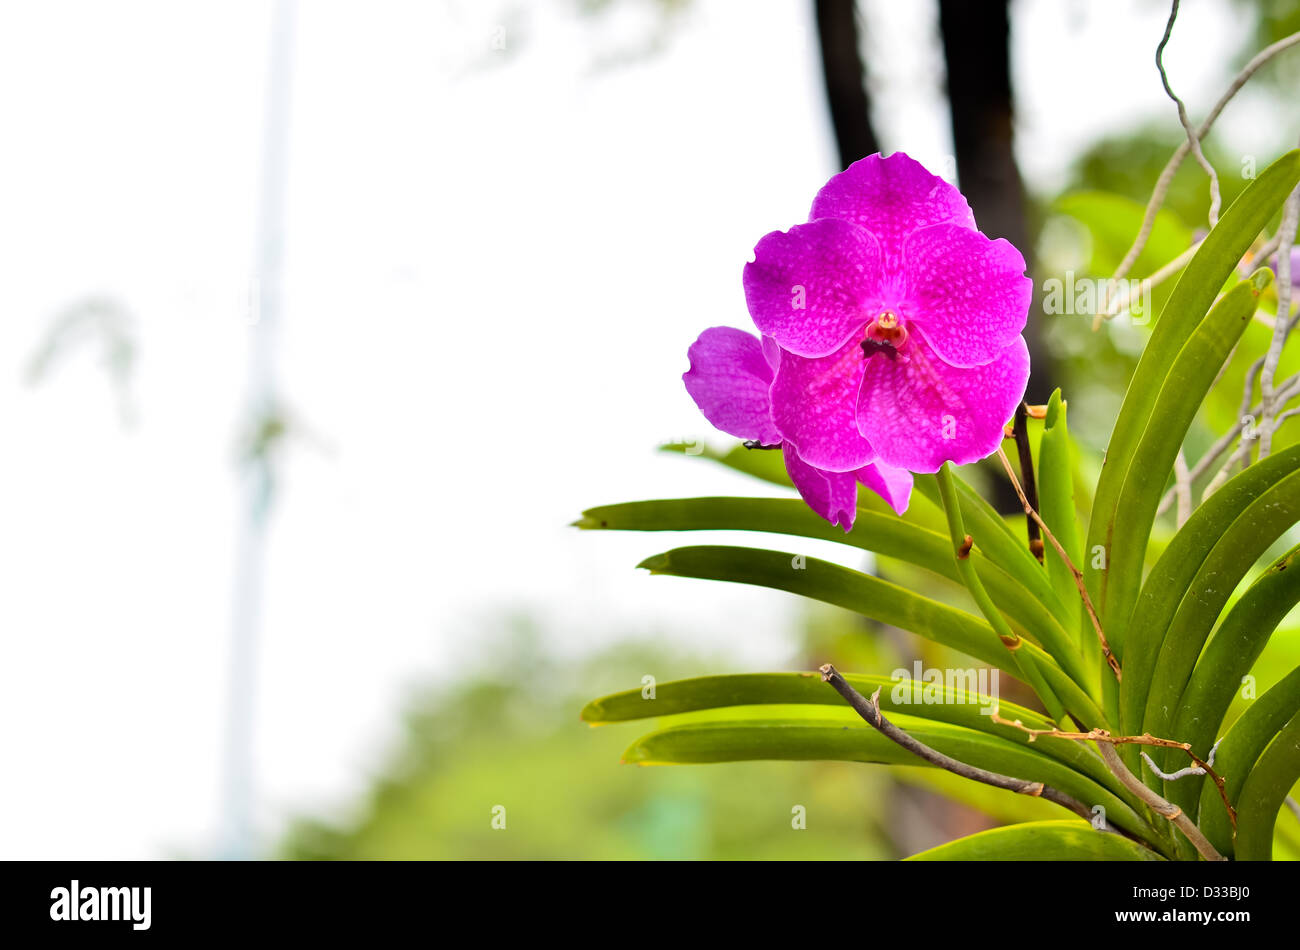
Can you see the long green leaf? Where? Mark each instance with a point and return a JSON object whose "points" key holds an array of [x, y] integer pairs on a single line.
{"points": [[1189, 379], [958, 707], [995, 538], [871, 597], [1040, 841], [1210, 267], [961, 542], [1227, 659], [1266, 788], [885, 534], [1058, 511], [834, 584], [840, 738], [1172, 575], [1245, 541], [993, 534], [1239, 751]]}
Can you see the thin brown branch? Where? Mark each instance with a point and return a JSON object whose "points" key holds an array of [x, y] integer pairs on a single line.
{"points": [[1161, 807], [1193, 139], [1077, 574], [1144, 287], [1283, 324], [869, 710], [1101, 736], [1020, 429], [1171, 167], [1106, 746]]}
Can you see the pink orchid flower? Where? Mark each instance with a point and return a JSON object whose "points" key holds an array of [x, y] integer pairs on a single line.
{"points": [[899, 323], [891, 339]]}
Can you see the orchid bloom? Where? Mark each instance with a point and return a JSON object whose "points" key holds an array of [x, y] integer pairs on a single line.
{"points": [[891, 332]]}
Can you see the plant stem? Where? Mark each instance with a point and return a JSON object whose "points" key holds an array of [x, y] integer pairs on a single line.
{"points": [[869, 710], [1029, 495], [1032, 512], [1171, 167], [961, 544], [1161, 807]]}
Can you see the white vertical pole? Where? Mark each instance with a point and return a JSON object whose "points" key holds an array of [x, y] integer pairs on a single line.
{"points": [[256, 475]]}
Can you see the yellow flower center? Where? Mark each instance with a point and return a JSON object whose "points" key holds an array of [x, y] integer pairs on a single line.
{"points": [[887, 328]]}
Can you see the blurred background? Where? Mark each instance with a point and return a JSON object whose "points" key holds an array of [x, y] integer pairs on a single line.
{"points": [[322, 321]]}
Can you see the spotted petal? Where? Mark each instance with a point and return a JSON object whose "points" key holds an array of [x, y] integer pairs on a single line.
{"points": [[968, 295], [892, 484], [729, 380], [918, 412], [833, 495], [814, 286], [891, 197]]}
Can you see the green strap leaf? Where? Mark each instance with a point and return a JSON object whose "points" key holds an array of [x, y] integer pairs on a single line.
{"points": [[1227, 659], [995, 538], [847, 738], [885, 534], [1040, 841], [871, 597], [834, 584], [1245, 541], [1269, 783], [1200, 283], [993, 803], [1027, 669], [1057, 509], [1240, 750], [1174, 572], [1189, 379], [956, 706], [992, 533]]}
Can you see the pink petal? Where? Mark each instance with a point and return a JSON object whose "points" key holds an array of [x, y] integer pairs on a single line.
{"points": [[891, 197], [833, 495], [967, 294], [814, 286], [890, 483], [919, 412], [814, 405], [729, 380]]}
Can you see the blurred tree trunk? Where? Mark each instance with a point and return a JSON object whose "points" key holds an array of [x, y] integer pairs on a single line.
{"points": [[977, 51], [844, 73], [976, 44]]}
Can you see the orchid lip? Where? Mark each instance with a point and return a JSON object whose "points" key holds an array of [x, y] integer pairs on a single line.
{"points": [[885, 334]]}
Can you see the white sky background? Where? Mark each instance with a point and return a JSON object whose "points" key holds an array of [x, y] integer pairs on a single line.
{"points": [[495, 263]]}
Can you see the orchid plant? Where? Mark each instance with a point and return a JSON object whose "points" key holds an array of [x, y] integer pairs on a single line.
{"points": [[889, 355]]}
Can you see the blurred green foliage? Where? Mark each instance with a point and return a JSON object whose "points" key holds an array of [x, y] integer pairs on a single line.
{"points": [[509, 735]]}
